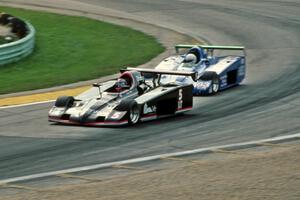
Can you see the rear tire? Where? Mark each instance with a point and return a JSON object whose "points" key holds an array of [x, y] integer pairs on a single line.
{"points": [[64, 101]]}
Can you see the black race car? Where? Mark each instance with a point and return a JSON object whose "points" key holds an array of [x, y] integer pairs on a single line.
{"points": [[127, 100]]}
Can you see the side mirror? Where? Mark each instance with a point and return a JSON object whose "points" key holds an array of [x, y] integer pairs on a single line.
{"points": [[98, 85]]}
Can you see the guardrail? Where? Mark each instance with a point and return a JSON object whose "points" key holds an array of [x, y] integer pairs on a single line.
{"points": [[19, 49]]}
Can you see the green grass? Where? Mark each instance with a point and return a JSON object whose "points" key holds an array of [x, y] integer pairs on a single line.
{"points": [[70, 49]]}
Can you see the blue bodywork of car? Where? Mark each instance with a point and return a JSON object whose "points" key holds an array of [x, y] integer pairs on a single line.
{"points": [[215, 73]]}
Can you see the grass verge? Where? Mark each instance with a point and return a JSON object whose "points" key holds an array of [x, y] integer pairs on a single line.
{"points": [[70, 49]]}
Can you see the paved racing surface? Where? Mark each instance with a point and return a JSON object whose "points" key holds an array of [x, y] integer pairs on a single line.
{"points": [[266, 105]]}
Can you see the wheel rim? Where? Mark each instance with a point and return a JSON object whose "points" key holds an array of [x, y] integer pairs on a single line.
{"points": [[134, 115]]}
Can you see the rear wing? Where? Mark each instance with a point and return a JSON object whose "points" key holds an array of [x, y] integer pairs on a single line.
{"points": [[211, 48], [193, 75]]}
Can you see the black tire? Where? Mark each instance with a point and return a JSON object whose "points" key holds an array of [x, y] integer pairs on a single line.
{"points": [[64, 101], [212, 76], [133, 110]]}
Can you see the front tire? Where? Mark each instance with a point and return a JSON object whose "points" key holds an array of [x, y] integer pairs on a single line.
{"points": [[134, 114], [214, 78], [215, 84], [64, 101], [133, 111]]}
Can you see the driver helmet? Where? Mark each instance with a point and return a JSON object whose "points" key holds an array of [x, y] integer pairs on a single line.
{"points": [[190, 58], [122, 84]]}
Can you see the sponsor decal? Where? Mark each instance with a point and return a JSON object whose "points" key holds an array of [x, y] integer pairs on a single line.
{"points": [[149, 109], [202, 84], [223, 80]]}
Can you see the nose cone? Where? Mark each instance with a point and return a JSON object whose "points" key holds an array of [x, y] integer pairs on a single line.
{"points": [[82, 115], [201, 87]]}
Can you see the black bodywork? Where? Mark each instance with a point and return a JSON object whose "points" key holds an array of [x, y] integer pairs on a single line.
{"points": [[141, 102]]}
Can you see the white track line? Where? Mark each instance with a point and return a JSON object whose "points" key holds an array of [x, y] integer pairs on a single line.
{"points": [[150, 158], [27, 104]]}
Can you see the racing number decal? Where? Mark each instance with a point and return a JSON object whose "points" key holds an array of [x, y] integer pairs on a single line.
{"points": [[179, 106], [116, 115]]}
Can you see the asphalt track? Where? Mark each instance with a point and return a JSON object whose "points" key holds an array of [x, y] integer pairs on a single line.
{"points": [[266, 105]]}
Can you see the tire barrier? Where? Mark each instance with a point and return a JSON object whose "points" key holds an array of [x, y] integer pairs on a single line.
{"points": [[16, 50]]}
